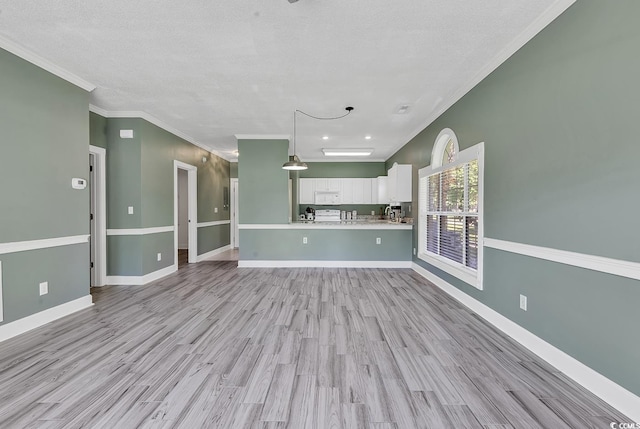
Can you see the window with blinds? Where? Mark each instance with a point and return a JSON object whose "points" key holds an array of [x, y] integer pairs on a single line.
{"points": [[449, 210]]}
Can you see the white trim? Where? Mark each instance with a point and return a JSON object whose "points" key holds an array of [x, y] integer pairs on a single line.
{"points": [[23, 246], [1, 303], [140, 231], [610, 392], [213, 252], [192, 190], [142, 280], [262, 136], [28, 323], [323, 264], [616, 267], [546, 18], [234, 238], [329, 225], [213, 223], [441, 142], [45, 64], [100, 177], [157, 122]]}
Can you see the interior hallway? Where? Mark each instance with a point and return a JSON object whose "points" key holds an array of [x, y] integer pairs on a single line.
{"points": [[217, 346]]}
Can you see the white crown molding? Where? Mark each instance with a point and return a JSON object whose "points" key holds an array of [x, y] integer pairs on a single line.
{"points": [[591, 262], [140, 231], [262, 136], [546, 18], [22, 246], [157, 122], [35, 59], [142, 280], [609, 391], [28, 323], [328, 225], [213, 223], [213, 252], [323, 264]]}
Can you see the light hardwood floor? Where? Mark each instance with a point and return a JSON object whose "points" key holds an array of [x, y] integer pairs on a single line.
{"points": [[217, 346]]}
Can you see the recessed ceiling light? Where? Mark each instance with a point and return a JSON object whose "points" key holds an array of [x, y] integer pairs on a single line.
{"points": [[367, 137], [347, 152], [325, 137], [403, 109]]}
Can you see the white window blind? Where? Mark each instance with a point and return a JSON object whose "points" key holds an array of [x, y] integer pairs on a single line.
{"points": [[450, 215]]}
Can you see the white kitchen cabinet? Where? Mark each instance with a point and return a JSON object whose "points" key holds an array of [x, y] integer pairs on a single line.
{"points": [[328, 185], [358, 195], [383, 197], [399, 183], [374, 190], [347, 191], [307, 190], [366, 191]]}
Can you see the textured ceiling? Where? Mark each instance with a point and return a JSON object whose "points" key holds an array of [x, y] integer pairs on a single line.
{"points": [[213, 69]]}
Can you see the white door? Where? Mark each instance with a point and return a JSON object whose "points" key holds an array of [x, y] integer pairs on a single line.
{"points": [[92, 219]]}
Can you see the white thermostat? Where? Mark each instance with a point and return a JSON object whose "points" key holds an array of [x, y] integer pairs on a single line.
{"points": [[77, 183]]}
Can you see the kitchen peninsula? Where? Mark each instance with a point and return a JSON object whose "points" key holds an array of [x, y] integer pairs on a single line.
{"points": [[380, 244]]}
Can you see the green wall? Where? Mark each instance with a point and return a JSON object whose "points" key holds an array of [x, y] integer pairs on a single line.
{"points": [[140, 174], [344, 169], [44, 143], [263, 184], [233, 170], [561, 149], [325, 245]]}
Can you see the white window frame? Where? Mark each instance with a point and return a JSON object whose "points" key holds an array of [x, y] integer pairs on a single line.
{"points": [[468, 275]]}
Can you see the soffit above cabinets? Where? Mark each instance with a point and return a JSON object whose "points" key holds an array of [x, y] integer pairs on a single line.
{"points": [[214, 69]]}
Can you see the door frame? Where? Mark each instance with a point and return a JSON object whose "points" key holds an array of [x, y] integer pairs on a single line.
{"points": [[192, 185], [100, 215], [235, 241]]}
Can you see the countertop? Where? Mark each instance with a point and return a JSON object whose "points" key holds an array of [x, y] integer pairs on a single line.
{"points": [[349, 224]]}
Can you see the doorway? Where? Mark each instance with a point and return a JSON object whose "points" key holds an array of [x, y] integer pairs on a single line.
{"points": [[185, 209], [97, 216], [235, 231]]}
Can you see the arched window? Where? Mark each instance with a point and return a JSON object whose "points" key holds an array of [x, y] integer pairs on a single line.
{"points": [[450, 209], [446, 148]]}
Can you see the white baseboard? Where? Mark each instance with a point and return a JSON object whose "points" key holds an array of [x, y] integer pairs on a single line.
{"points": [[28, 323], [324, 264], [142, 280], [615, 395], [213, 252]]}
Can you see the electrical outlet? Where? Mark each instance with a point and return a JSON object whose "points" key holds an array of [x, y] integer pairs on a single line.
{"points": [[159, 256], [378, 240], [130, 210], [304, 240], [215, 209], [44, 288], [414, 250], [523, 302], [373, 212]]}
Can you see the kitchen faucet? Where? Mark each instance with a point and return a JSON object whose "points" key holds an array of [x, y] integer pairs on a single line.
{"points": [[387, 210]]}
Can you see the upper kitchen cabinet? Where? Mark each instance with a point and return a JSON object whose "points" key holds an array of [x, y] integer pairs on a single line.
{"points": [[326, 185], [399, 183], [383, 195], [307, 191]]}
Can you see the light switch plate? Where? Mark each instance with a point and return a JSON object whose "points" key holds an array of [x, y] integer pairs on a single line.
{"points": [[523, 302], [130, 210], [44, 288], [159, 256]]}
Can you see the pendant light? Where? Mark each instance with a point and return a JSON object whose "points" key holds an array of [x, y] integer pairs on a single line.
{"points": [[294, 162]]}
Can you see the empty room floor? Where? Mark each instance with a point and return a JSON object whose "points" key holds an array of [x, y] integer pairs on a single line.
{"points": [[214, 345]]}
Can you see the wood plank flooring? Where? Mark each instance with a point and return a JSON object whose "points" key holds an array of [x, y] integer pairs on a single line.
{"points": [[215, 346]]}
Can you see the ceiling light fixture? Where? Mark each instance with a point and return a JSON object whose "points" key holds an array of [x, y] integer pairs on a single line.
{"points": [[347, 152], [367, 137], [325, 137], [294, 162]]}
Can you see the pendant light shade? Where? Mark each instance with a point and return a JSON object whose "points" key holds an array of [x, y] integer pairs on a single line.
{"points": [[294, 163]]}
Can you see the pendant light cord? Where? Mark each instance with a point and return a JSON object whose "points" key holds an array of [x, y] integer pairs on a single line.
{"points": [[348, 109]]}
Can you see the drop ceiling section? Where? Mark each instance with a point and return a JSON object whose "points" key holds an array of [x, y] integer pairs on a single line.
{"points": [[215, 69]]}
